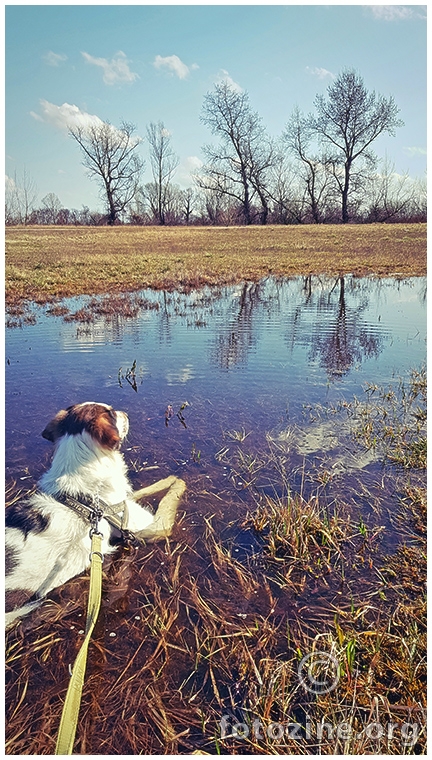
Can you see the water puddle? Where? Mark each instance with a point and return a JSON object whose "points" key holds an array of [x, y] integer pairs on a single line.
{"points": [[259, 388], [250, 393], [199, 372]]}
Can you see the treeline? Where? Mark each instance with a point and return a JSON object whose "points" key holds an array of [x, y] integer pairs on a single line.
{"points": [[320, 170], [390, 198]]}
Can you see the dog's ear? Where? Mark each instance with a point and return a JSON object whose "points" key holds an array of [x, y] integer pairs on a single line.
{"points": [[52, 430], [105, 431]]}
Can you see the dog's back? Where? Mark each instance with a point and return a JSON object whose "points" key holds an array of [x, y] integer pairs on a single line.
{"points": [[47, 542]]}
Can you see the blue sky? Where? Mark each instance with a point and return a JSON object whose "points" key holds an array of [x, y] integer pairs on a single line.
{"points": [[149, 63]]}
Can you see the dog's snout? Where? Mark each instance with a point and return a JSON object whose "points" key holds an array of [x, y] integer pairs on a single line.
{"points": [[122, 423]]}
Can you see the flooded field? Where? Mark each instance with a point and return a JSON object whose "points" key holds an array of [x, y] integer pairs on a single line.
{"points": [[252, 357], [295, 412]]}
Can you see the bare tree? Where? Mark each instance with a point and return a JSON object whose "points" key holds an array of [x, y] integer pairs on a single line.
{"points": [[393, 196], [213, 205], [10, 203], [281, 190], [20, 198], [347, 122], [51, 207], [163, 162], [110, 156], [187, 201], [238, 167], [315, 170]]}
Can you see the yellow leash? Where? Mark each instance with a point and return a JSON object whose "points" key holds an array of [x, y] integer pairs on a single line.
{"points": [[69, 718]]}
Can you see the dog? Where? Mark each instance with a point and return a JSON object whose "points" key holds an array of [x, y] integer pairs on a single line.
{"points": [[48, 535]]}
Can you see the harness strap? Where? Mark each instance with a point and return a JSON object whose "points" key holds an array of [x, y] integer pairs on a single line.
{"points": [[84, 507], [69, 718]]}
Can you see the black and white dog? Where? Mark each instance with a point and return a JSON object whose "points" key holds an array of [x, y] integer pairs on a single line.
{"points": [[47, 542]]}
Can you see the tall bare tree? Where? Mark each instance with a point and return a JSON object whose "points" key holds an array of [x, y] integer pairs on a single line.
{"points": [[347, 122], [110, 156], [239, 166], [315, 170], [20, 198], [163, 163], [187, 201]]}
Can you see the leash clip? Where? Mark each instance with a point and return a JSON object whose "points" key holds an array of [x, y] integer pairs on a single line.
{"points": [[97, 515]]}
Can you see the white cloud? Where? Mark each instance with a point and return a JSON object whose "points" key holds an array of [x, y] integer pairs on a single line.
{"points": [[223, 76], [10, 184], [397, 12], [414, 151], [54, 59], [316, 71], [182, 375], [187, 167], [65, 116], [192, 163], [115, 71], [174, 65], [69, 116]]}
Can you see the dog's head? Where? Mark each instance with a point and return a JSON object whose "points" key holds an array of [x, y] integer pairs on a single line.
{"points": [[101, 422]]}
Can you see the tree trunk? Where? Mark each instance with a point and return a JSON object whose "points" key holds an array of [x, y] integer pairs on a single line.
{"points": [[112, 215], [345, 191]]}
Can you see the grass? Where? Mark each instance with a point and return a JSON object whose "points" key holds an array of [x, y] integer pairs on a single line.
{"points": [[394, 420], [49, 263], [199, 648]]}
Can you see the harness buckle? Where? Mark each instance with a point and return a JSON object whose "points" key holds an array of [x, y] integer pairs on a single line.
{"points": [[97, 515]]}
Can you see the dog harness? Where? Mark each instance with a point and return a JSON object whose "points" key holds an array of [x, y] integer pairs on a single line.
{"points": [[89, 508], [92, 510]]}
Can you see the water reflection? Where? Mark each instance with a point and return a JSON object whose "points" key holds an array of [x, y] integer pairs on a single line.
{"points": [[235, 340], [338, 319], [248, 356], [341, 334]]}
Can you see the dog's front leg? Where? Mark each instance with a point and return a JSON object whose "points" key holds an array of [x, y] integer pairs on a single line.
{"points": [[164, 518]]}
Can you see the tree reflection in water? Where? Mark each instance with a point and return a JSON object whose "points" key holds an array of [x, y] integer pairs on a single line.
{"points": [[336, 331], [328, 316], [233, 343], [345, 339]]}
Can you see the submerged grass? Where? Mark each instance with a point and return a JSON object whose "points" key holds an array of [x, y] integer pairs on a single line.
{"points": [[46, 263], [394, 420], [200, 648]]}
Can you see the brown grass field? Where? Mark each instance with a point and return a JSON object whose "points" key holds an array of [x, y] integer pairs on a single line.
{"points": [[46, 263]]}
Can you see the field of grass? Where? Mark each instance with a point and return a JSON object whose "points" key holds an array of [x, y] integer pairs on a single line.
{"points": [[46, 263]]}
